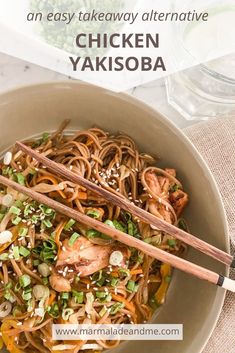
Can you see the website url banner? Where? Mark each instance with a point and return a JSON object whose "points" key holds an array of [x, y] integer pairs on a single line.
{"points": [[117, 332]]}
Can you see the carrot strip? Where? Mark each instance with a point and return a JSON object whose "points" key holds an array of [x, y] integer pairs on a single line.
{"points": [[137, 271], [51, 299], [128, 305], [58, 232], [54, 182], [82, 195]]}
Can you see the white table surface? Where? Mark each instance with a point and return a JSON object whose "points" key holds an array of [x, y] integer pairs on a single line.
{"points": [[15, 72]]}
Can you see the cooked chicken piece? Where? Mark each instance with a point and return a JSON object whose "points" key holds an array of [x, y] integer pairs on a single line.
{"points": [[59, 283], [70, 254], [153, 182], [160, 211], [179, 200], [164, 184], [86, 258]]}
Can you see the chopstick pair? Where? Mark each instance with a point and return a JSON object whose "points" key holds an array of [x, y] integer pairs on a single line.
{"points": [[125, 204]]}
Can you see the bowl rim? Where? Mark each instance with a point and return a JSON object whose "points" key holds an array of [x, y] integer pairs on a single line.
{"points": [[71, 84]]}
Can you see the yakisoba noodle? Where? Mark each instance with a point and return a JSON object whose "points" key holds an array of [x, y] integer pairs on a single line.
{"points": [[55, 270]]}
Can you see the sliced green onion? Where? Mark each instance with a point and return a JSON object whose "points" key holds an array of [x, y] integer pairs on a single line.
{"points": [[171, 242], [174, 188], [18, 203], [114, 282], [20, 178], [78, 296], [101, 295], [182, 224], [66, 313], [15, 210], [24, 251], [47, 223], [23, 232], [44, 269], [69, 224], [109, 223], [4, 256], [16, 220], [92, 233], [119, 226], [125, 272], [8, 296], [45, 281], [73, 238], [93, 213], [53, 310], [45, 136], [8, 285], [16, 253], [27, 296], [116, 307], [36, 262], [65, 295], [24, 280], [132, 286], [103, 311]]}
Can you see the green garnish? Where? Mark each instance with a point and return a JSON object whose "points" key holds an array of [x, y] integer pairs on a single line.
{"points": [[16, 253], [8, 296], [123, 271], [93, 213], [69, 224], [116, 307], [73, 238], [101, 295], [174, 188], [66, 313], [24, 280], [18, 203], [182, 224], [4, 257], [45, 136], [20, 178], [53, 310], [132, 286], [45, 281], [171, 242], [24, 251], [78, 296], [27, 295], [64, 295], [23, 232], [47, 251], [47, 223], [119, 226], [109, 223], [15, 210], [16, 220], [114, 282], [36, 262]]}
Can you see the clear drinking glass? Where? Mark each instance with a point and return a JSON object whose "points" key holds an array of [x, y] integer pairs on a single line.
{"points": [[206, 90]]}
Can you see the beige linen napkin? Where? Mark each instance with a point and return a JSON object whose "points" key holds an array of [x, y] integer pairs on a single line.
{"points": [[215, 140]]}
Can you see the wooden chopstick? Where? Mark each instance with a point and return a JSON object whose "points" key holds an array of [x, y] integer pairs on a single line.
{"points": [[124, 238], [125, 204]]}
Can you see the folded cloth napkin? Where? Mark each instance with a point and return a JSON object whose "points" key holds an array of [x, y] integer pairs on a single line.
{"points": [[215, 140]]}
